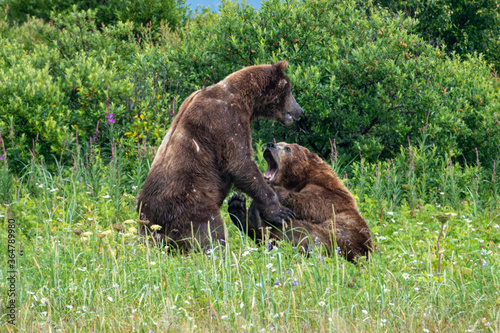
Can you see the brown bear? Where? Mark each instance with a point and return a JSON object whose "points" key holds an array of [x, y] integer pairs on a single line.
{"points": [[311, 189], [208, 149]]}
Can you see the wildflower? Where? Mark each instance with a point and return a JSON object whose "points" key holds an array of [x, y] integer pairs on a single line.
{"points": [[107, 232], [40, 186], [390, 213], [83, 239], [69, 307], [128, 221], [242, 305], [152, 263], [83, 269], [110, 298], [270, 246], [444, 217], [321, 258], [132, 230], [416, 289], [109, 118], [78, 232], [316, 241], [118, 227], [338, 250], [295, 283], [425, 330], [155, 227], [245, 253], [364, 312], [87, 234], [223, 317], [269, 265], [321, 303], [54, 189], [406, 276], [115, 285], [106, 196]]}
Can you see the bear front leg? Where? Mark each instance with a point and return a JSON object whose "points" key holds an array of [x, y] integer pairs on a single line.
{"points": [[248, 179]]}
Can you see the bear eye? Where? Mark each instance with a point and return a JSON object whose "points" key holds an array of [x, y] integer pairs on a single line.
{"points": [[288, 149]]}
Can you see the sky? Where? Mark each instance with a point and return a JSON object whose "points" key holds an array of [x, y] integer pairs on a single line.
{"points": [[214, 4]]}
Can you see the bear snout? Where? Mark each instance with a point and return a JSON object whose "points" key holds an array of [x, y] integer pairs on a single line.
{"points": [[295, 110], [271, 145]]}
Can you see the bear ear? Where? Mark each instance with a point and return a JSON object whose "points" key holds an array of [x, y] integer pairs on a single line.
{"points": [[281, 65]]}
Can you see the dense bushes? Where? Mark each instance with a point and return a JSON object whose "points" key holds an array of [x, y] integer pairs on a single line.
{"points": [[463, 26], [145, 12], [363, 79]]}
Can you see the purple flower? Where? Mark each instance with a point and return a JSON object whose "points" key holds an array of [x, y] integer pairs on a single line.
{"points": [[270, 246], [339, 251], [1, 158], [109, 118], [321, 258], [295, 283], [316, 241]]}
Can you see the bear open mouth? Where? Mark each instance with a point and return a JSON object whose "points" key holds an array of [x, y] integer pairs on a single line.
{"points": [[272, 166]]}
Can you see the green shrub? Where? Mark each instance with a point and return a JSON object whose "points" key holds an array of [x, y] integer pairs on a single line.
{"points": [[141, 12], [463, 26], [362, 77]]}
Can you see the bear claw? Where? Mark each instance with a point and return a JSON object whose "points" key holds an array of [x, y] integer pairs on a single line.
{"points": [[236, 207]]}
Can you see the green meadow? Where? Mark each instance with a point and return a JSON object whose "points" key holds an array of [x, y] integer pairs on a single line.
{"points": [[435, 266]]}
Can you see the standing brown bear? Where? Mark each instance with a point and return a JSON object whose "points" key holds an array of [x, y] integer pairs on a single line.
{"points": [[208, 149], [311, 189]]}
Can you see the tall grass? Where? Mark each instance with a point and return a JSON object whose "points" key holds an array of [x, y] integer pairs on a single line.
{"points": [[85, 268]]}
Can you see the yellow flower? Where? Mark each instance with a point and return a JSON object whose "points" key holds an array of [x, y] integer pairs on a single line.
{"points": [[155, 227], [142, 117], [87, 234]]}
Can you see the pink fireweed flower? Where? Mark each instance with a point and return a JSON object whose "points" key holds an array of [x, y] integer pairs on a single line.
{"points": [[109, 118]]}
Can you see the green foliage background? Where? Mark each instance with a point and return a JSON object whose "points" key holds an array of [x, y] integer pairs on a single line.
{"points": [[366, 80]]}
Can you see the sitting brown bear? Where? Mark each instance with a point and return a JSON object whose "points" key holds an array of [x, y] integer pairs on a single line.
{"points": [[311, 189], [208, 149]]}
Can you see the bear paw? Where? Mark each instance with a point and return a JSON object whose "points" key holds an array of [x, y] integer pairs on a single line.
{"points": [[279, 218], [236, 207]]}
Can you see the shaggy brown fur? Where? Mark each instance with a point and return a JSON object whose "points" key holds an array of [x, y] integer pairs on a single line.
{"points": [[208, 148], [311, 189]]}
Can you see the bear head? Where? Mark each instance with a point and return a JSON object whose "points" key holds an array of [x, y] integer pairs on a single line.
{"points": [[282, 105], [270, 91], [290, 165]]}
